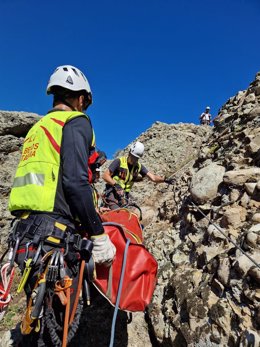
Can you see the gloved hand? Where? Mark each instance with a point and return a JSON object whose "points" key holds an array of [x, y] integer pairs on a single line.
{"points": [[103, 249], [169, 180], [119, 190]]}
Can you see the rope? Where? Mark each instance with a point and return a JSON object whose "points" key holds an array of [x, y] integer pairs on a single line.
{"points": [[112, 337], [175, 172], [81, 273], [66, 319], [227, 237], [5, 296], [55, 329]]}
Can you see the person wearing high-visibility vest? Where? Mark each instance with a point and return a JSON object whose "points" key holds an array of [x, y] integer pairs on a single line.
{"points": [[51, 196], [123, 172]]}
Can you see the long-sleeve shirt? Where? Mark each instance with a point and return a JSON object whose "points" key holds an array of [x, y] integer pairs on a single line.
{"points": [[75, 148]]}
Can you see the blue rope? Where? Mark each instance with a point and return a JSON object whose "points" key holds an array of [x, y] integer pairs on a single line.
{"points": [[112, 337]]}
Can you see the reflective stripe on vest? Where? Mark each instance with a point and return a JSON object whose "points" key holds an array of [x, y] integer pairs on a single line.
{"points": [[36, 178], [30, 178], [126, 182]]}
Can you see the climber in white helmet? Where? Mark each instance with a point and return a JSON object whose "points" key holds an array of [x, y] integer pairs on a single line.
{"points": [[205, 117], [123, 172], [52, 201]]}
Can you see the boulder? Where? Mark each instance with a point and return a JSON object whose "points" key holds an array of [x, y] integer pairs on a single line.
{"points": [[240, 177], [205, 183]]}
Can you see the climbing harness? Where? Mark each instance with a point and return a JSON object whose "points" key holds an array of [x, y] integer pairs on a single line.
{"points": [[108, 202], [51, 256]]}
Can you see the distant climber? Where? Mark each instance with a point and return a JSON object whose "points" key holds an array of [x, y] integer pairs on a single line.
{"points": [[121, 175], [205, 117]]}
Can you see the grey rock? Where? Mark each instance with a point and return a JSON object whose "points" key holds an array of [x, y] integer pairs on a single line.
{"points": [[256, 218], [240, 177], [250, 188], [205, 183]]}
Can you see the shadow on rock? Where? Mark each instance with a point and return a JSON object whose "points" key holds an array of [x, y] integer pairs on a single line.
{"points": [[96, 322]]}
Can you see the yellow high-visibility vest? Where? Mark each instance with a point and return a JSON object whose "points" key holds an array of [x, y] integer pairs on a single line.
{"points": [[126, 176], [36, 178]]}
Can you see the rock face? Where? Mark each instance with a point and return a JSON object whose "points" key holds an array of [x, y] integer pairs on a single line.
{"points": [[208, 285], [13, 128], [204, 232]]}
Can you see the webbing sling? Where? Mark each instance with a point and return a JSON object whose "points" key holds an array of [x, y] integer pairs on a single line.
{"points": [[5, 286]]}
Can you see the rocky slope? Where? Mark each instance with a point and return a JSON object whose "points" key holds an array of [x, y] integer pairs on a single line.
{"points": [[203, 231], [208, 291]]}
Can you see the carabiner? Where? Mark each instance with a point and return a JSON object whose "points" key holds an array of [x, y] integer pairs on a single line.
{"points": [[27, 245], [12, 255]]}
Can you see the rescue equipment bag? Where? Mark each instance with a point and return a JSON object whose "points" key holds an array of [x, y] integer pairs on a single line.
{"points": [[140, 272], [126, 218]]}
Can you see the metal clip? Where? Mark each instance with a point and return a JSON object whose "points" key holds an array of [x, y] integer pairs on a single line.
{"points": [[12, 255], [62, 269], [37, 254], [27, 245], [56, 267], [52, 273]]}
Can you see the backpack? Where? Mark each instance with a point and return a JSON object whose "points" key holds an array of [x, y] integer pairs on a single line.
{"points": [[141, 268]]}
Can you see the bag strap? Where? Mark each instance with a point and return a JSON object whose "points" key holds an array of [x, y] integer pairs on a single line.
{"points": [[112, 337]]}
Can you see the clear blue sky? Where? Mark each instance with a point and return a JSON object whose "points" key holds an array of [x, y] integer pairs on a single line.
{"points": [[146, 60]]}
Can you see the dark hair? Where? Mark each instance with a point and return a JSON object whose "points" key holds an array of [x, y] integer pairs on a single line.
{"points": [[60, 94]]}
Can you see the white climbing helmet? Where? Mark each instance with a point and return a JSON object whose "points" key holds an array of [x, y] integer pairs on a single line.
{"points": [[137, 149], [68, 77], [207, 108]]}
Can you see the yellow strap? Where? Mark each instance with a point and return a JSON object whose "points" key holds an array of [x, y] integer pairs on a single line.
{"points": [[137, 239], [53, 239], [25, 215], [26, 273], [60, 226]]}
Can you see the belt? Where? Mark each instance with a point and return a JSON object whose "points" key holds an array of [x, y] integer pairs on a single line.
{"points": [[43, 227]]}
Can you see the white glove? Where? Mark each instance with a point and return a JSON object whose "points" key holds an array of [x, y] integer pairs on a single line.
{"points": [[103, 249]]}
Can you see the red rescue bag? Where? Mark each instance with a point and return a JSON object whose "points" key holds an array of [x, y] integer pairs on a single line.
{"points": [[140, 272], [126, 218]]}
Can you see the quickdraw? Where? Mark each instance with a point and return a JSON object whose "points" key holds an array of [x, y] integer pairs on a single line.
{"points": [[31, 319], [29, 263]]}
